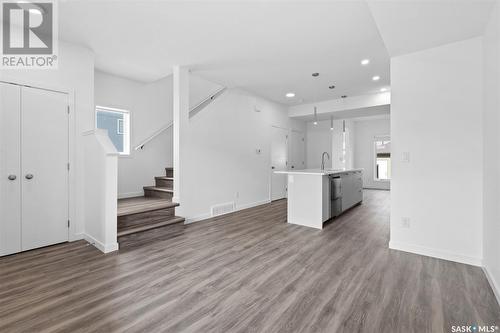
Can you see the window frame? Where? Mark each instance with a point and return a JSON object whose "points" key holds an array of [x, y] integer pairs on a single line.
{"points": [[126, 126], [376, 139]]}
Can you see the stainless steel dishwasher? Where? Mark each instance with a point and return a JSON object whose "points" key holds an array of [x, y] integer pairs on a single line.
{"points": [[336, 196]]}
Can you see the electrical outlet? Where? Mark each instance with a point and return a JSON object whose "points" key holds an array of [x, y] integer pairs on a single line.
{"points": [[405, 157], [405, 223]]}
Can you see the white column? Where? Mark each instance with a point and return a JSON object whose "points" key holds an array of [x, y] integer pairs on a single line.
{"points": [[180, 126]]}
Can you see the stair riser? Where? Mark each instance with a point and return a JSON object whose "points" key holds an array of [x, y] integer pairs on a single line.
{"points": [[158, 194], [146, 217], [169, 172], [175, 220], [164, 183]]}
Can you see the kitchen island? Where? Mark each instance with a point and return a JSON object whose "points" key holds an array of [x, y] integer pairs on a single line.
{"points": [[315, 195]]}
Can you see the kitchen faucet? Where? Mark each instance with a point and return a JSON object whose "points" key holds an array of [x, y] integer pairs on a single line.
{"points": [[323, 160]]}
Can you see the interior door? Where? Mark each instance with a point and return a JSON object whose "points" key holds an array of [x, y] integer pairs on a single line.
{"points": [[298, 150], [279, 162], [10, 165], [45, 175]]}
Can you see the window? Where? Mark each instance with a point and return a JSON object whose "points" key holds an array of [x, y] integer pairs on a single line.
{"points": [[117, 123], [382, 159]]}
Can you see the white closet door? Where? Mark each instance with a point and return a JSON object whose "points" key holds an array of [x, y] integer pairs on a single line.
{"points": [[44, 150], [279, 162], [10, 166]]}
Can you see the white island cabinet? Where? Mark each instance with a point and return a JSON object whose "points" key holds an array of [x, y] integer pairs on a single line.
{"points": [[312, 199]]}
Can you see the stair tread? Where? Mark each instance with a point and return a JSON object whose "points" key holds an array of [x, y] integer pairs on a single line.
{"points": [[164, 178], [160, 189], [136, 205], [148, 226]]}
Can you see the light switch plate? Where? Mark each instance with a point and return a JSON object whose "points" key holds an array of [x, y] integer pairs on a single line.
{"points": [[405, 223], [405, 157]]}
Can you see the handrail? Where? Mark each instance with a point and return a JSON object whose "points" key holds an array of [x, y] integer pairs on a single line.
{"points": [[197, 108], [154, 135]]}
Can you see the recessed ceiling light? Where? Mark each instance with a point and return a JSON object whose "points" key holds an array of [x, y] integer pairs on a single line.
{"points": [[383, 89], [315, 74], [331, 87], [376, 78], [365, 62], [315, 123], [290, 95]]}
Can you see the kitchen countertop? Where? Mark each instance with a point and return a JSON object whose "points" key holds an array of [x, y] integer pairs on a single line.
{"points": [[318, 172]]}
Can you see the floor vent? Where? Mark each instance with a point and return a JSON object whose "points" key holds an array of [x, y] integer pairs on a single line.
{"points": [[222, 209]]}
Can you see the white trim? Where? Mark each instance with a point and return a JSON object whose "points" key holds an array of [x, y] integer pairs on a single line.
{"points": [[493, 284], [76, 237], [237, 208], [252, 204], [374, 158], [104, 248], [435, 253], [115, 110], [199, 218]]}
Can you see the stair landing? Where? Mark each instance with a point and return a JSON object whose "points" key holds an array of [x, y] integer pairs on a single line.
{"points": [[145, 213]]}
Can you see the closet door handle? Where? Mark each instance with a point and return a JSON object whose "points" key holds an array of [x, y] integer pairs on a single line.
{"points": [[29, 176], [12, 177]]}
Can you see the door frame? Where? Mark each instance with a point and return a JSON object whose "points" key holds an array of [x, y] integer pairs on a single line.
{"points": [[270, 157], [73, 232], [303, 133]]}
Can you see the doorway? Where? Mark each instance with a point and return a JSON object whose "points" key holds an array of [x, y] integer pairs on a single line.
{"points": [[279, 162], [297, 150]]}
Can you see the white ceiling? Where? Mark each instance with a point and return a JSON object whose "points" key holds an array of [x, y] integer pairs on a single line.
{"points": [[267, 47], [412, 25]]}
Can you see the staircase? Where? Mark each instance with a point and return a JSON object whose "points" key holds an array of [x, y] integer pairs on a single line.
{"points": [[153, 210]]}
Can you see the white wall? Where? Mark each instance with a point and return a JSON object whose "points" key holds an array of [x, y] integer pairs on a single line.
{"points": [[491, 162], [222, 164], [436, 116], [319, 138], [75, 74], [364, 152], [150, 106]]}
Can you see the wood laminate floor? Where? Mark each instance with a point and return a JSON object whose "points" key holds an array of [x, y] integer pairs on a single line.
{"points": [[245, 272]]}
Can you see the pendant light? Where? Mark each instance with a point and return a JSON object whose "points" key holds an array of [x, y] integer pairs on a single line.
{"points": [[315, 108]]}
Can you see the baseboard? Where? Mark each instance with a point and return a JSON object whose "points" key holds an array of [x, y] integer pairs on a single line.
{"points": [[435, 253], [130, 195], [493, 284], [197, 218], [237, 208], [376, 188], [252, 204], [104, 248]]}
